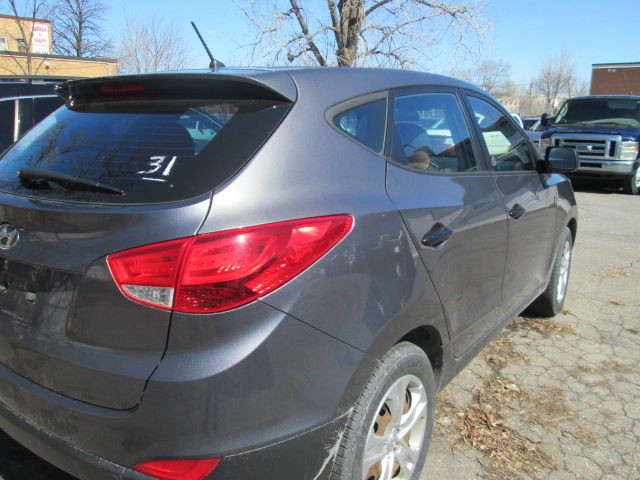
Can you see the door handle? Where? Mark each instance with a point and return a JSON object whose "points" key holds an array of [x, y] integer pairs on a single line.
{"points": [[517, 211], [436, 236]]}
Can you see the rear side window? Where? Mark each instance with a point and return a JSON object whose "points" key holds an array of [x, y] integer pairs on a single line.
{"points": [[431, 135], [153, 150], [365, 123], [7, 114], [44, 106]]}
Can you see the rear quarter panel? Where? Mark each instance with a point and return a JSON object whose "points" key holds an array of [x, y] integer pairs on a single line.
{"points": [[372, 281]]}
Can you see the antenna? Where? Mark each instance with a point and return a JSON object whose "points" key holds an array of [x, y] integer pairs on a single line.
{"points": [[214, 64]]}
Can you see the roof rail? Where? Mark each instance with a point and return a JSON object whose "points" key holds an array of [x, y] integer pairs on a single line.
{"points": [[36, 78]]}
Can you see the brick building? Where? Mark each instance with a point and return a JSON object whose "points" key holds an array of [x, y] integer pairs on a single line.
{"points": [[615, 78], [26, 46]]}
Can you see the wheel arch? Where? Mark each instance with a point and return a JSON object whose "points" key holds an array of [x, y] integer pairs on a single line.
{"points": [[573, 227], [428, 338]]}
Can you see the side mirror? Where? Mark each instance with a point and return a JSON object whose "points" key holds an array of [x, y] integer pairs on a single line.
{"points": [[544, 120], [560, 160]]}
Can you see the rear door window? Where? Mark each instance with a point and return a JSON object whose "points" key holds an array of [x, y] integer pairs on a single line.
{"points": [[431, 135], [155, 151]]}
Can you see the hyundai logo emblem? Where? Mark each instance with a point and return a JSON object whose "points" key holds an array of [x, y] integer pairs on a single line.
{"points": [[9, 236]]}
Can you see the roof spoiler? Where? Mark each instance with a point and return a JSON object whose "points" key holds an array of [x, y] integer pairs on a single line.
{"points": [[176, 85]]}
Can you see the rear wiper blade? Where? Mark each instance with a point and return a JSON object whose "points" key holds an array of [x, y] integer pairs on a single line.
{"points": [[67, 181]]}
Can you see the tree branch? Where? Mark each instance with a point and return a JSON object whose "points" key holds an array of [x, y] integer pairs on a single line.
{"points": [[305, 30]]}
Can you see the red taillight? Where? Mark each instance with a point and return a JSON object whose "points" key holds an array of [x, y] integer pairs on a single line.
{"points": [[223, 270], [178, 469]]}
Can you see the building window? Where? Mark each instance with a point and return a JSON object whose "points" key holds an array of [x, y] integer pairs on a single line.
{"points": [[22, 45], [3, 44]]}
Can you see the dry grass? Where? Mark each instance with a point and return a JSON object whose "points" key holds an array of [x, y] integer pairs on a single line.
{"points": [[481, 427], [541, 325], [501, 352], [605, 367], [611, 366], [613, 272], [583, 436], [547, 408], [580, 370]]}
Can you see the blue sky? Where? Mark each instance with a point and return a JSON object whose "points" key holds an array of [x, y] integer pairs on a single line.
{"points": [[525, 32]]}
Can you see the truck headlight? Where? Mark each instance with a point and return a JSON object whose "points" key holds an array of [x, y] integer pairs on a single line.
{"points": [[544, 143], [629, 151]]}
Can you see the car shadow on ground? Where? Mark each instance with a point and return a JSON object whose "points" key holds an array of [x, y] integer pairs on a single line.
{"points": [[594, 187]]}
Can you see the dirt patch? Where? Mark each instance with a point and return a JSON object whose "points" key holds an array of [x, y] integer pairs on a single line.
{"points": [[616, 302], [613, 272], [611, 366], [501, 352], [582, 370], [605, 367], [541, 325], [585, 437]]}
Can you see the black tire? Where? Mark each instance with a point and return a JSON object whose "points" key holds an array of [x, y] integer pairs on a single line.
{"points": [[631, 185], [550, 302], [404, 361]]}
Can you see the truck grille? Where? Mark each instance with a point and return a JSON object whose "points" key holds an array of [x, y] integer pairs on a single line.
{"points": [[590, 147]]}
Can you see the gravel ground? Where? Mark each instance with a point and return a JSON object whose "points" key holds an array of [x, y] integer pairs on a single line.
{"points": [[551, 399]]}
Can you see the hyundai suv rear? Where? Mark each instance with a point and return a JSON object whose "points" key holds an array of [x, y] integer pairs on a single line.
{"points": [[244, 274]]}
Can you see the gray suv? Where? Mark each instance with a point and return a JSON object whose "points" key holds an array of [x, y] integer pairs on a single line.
{"points": [[263, 273]]}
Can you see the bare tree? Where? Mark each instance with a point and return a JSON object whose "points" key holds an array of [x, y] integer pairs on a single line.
{"points": [[352, 33], [150, 47], [76, 28], [20, 10], [555, 79], [492, 76], [578, 87]]}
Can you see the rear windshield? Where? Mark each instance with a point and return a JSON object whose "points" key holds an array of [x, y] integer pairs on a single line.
{"points": [[153, 151]]}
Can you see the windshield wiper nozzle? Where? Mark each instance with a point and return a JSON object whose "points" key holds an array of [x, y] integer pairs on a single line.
{"points": [[68, 182]]}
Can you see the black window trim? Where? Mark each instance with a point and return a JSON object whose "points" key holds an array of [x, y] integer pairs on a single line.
{"points": [[481, 163], [478, 134], [356, 102]]}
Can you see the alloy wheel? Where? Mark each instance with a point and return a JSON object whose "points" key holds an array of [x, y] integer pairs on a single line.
{"points": [[565, 263], [396, 436]]}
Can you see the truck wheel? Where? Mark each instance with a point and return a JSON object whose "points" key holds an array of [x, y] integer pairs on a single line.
{"points": [[631, 185], [551, 301], [389, 429]]}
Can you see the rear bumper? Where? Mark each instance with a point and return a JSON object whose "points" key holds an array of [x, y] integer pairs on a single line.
{"points": [[263, 391], [63, 455], [287, 459]]}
